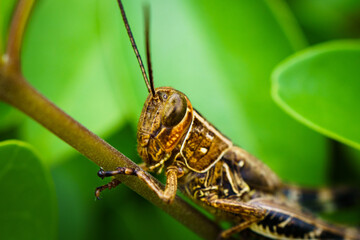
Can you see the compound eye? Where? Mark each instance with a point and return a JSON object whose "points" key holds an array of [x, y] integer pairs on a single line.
{"points": [[174, 110]]}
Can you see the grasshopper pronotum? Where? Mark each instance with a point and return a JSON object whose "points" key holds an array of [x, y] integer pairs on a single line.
{"points": [[228, 181]]}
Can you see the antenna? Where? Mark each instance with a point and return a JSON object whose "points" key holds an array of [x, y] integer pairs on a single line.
{"points": [[147, 39], [149, 85]]}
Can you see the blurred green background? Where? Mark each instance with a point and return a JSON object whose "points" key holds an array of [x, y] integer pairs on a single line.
{"points": [[220, 54]]}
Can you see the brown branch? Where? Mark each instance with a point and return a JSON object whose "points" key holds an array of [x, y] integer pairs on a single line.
{"points": [[18, 93], [16, 34]]}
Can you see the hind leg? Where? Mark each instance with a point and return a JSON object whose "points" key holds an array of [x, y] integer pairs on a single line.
{"points": [[236, 229]]}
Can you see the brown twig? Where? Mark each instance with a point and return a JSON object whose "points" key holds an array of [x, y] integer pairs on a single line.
{"points": [[16, 34], [21, 95]]}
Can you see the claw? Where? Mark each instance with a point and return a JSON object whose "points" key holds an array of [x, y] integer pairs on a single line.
{"points": [[97, 193], [109, 186], [101, 173]]}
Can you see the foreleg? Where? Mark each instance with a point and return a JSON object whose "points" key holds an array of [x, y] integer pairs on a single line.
{"points": [[167, 195]]}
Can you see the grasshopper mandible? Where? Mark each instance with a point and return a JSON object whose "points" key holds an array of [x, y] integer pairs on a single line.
{"points": [[220, 176]]}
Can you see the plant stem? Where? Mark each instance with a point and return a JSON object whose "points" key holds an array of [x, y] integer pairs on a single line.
{"points": [[18, 93], [16, 34]]}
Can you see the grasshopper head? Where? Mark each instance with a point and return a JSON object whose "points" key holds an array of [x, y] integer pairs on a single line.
{"points": [[164, 122], [166, 116]]}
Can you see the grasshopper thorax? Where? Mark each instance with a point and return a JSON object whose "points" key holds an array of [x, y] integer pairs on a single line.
{"points": [[164, 121]]}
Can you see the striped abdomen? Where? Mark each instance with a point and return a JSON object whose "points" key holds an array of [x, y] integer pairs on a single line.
{"points": [[287, 222]]}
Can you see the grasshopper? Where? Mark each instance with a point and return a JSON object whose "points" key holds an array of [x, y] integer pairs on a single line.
{"points": [[218, 175]]}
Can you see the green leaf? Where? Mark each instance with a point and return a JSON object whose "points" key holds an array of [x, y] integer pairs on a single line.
{"points": [[27, 206], [334, 19], [5, 112], [232, 50], [320, 88], [9, 116], [63, 58]]}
